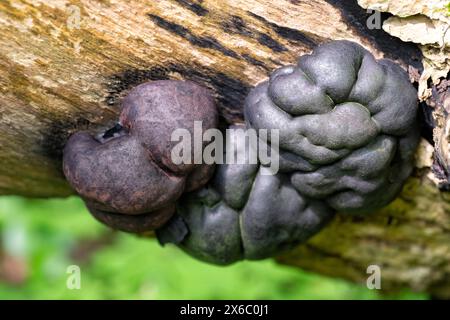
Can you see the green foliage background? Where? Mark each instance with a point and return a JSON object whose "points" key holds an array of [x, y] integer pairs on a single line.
{"points": [[50, 235]]}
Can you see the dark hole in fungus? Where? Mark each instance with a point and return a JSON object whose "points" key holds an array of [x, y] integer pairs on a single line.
{"points": [[111, 132]]}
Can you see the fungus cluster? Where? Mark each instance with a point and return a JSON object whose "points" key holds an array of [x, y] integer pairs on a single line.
{"points": [[347, 125], [127, 179], [347, 136], [244, 212]]}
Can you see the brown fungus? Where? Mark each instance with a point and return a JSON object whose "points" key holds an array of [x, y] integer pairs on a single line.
{"points": [[127, 177]]}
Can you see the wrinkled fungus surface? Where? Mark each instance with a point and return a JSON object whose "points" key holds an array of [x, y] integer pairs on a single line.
{"points": [[347, 138], [348, 119], [347, 129], [244, 213]]}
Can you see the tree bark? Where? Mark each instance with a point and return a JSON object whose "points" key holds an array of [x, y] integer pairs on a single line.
{"points": [[65, 65]]}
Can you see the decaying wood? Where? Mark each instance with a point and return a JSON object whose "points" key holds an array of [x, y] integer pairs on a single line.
{"points": [[408, 239], [64, 66]]}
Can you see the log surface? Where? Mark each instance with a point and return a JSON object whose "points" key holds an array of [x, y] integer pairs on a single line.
{"points": [[65, 65]]}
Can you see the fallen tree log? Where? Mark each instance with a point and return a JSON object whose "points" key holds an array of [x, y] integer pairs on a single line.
{"points": [[65, 65]]}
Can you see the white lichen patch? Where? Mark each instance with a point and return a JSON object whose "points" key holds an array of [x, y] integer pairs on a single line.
{"points": [[419, 29], [425, 22], [436, 65], [435, 9]]}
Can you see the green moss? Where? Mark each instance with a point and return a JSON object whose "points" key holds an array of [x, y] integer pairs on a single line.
{"points": [[46, 233]]}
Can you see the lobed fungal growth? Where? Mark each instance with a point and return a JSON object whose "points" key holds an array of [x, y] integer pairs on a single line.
{"points": [[347, 129], [127, 177], [347, 125], [244, 213]]}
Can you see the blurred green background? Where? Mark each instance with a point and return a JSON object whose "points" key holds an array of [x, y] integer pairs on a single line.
{"points": [[40, 239]]}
